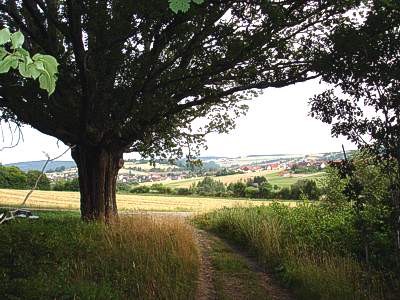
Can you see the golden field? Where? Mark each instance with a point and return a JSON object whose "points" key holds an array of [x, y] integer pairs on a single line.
{"points": [[70, 200]]}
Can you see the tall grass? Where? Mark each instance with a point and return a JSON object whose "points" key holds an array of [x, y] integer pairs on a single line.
{"points": [[64, 258], [308, 248]]}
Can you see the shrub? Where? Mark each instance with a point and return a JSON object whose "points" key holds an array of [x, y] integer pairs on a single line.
{"points": [[210, 187], [67, 185], [284, 193], [305, 188], [31, 178], [141, 189], [160, 188], [183, 191], [237, 188], [251, 192], [123, 187]]}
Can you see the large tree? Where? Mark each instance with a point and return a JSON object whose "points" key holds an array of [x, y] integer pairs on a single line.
{"points": [[133, 75], [361, 61]]}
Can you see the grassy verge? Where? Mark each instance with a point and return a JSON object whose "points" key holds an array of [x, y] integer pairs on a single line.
{"points": [[233, 278], [61, 257], [309, 248]]}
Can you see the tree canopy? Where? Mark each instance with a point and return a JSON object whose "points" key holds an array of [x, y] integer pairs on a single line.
{"points": [[361, 60], [134, 75]]}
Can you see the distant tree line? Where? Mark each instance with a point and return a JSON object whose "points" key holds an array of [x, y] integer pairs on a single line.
{"points": [[66, 185], [225, 172], [254, 188], [305, 169], [57, 169], [15, 178]]}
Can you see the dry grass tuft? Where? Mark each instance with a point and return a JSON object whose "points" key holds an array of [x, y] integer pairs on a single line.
{"points": [[134, 258]]}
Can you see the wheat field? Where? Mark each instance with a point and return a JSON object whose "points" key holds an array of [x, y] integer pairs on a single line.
{"points": [[70, 200]]}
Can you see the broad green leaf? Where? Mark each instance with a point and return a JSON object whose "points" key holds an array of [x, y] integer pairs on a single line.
{"points": [[24, 70], [3, 53], [4, 36], [42, 67], [47, 82], [35, 73], [182, 5], [179, 5], [49, 62], [14, 62], [17, 39], [39, 65], [23, 52], [7, 62]]}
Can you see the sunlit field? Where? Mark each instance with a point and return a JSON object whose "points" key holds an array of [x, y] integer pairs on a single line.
{"points": [[70, 200]]}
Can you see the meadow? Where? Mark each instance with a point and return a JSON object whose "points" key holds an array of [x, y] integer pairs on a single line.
{"points": [[126, 202], [61, 257], [310, 248]]}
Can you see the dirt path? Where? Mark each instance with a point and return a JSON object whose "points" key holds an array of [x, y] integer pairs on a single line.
{"points": [[227, 273], [206, 289]]}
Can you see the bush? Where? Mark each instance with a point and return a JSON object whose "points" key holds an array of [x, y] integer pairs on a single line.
{"points": [[31, 178], [67, 185], [305, 188], [141, 189], [123, 187], [251, 192], [237, 188], [284, 193], [183, 191], [210, 187], [160, 188]]}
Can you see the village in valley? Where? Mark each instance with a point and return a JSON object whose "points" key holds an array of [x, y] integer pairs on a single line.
{"points": [[141, 171]]}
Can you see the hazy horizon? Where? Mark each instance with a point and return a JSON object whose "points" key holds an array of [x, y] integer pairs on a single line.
{"points": [[277, 123]]}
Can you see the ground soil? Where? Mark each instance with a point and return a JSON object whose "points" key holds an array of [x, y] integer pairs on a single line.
{"points": [[233, 288]]}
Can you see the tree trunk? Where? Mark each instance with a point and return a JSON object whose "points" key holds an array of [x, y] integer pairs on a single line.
{"points": [[98, 170]]}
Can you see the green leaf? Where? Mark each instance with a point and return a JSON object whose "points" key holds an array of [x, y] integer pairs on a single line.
{"points": [[49, 62], [7, 63], [4, 36], [35, 73], [17, 39], [179, 5], [14, 63], [24, 70], [47, 82], [3, 53], [23, 52], [39, 65]]}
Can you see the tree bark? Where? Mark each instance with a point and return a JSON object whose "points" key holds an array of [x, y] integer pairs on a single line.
{"points": [[98, 170]]}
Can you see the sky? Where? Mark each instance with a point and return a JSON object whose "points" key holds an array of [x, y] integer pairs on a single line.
{"points": [[277, 122]]}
